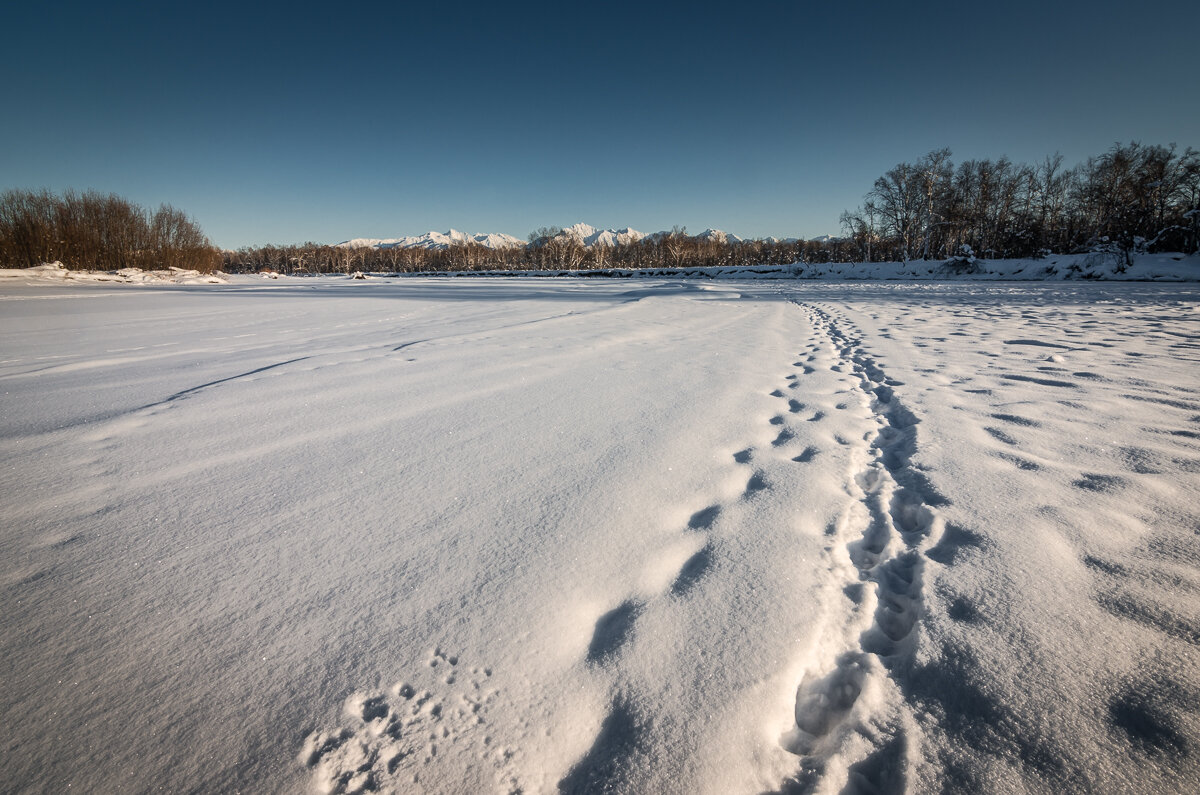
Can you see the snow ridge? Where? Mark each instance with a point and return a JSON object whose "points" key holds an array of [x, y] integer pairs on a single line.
{"points": [[885, 532]]}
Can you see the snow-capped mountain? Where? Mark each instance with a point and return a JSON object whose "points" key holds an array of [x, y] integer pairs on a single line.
{"points": [[718, 236], [591, 236], [437, 241], [707, 236], [587, 235]]}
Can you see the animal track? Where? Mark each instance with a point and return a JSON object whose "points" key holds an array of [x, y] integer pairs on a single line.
{"points": [[809, 454], [756, 484], [703, 518], [612, 630], [691, 572], [617, 743], [389, 740], [603, 767]]}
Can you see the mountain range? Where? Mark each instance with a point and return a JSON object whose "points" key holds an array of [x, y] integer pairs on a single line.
{"points": [[438, 241], [587, 235]]}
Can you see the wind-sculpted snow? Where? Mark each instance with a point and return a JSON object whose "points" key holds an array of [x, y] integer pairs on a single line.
{"points": [[472, 535]]}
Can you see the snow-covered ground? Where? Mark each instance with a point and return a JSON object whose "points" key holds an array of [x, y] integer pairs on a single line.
{"points": [[473, 535], [1066, 267], [56, 272]]}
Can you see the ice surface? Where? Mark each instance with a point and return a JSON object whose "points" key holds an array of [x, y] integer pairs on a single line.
{"points": [[472, 535]]}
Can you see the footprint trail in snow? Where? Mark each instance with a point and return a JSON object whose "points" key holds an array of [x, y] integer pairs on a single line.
{"points": [[883, 533]]}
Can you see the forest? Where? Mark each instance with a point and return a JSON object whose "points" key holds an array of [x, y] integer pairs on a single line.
{"points": [[1131, 198], [95, 231]]}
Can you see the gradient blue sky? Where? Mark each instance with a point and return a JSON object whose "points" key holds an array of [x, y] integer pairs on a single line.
{"points": [[277, 123]]}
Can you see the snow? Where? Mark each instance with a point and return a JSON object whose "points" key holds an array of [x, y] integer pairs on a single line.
{"points": [[586, 234], [475, 535], [56, 271], [718, 236], [1067, 267], [590, 236], [439, 241], [1104, 265]]}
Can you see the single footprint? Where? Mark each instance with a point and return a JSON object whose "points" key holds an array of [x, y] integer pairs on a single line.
{"points": [[692, 571], [704, 518], [808, 455], [612, 630], [822, 704], [756, 484]]}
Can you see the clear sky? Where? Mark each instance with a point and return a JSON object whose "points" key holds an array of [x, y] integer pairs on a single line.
{"points": [[279, 123]]}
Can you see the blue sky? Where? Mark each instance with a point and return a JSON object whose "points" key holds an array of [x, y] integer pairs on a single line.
{"points": [[292, 122]]}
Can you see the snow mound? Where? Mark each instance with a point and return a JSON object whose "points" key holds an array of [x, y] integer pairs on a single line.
{"points": [[56, 271]]}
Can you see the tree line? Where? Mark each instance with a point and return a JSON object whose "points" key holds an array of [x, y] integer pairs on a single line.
{"points": [[550, 251], [1131, 198], [92, 230]]}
